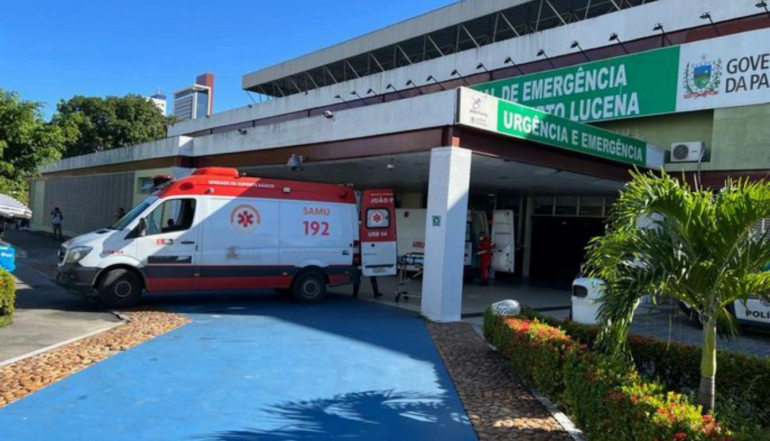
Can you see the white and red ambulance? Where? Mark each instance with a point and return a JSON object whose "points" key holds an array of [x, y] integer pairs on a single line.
{"points": [[217, 230]]}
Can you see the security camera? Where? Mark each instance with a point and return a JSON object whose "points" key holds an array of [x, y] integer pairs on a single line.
{"points": [[391, 167], [328, 114], [243, 131], [295, 163]]}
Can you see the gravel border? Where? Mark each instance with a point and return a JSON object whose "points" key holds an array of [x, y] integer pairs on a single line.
{"points": [[29, 375], [499, 406]]}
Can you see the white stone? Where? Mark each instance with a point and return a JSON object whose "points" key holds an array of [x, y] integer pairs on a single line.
{"points": [[506, 308]]}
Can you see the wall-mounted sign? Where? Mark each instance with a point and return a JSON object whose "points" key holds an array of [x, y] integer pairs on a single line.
{"points": [[486, 112], [722, 72]]}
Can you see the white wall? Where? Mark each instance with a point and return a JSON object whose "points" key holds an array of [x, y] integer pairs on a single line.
{"points": [[174, 146], [434, 110], [629, 24]]}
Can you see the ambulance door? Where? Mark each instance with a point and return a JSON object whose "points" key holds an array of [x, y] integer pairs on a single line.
{"points": [[168, 250], [378, 233], [239, 244], [504, 240]]}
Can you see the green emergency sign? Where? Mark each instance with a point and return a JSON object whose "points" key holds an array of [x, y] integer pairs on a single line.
{"points": [[622, 87], [531, 124], [486, 112]]}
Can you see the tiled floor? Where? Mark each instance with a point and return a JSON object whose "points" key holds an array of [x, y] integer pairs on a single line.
{"points": [[475, 298]]}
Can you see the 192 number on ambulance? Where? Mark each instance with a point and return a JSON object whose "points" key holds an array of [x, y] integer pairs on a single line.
{"points": [[316, 228]]}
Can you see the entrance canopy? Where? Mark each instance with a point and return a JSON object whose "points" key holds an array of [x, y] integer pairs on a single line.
{"points": [[410, 172]]}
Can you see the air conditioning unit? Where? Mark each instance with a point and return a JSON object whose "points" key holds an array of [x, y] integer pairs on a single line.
{"points": [[687, 151]]}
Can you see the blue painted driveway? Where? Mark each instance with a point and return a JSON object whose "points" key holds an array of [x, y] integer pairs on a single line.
{"points": [[258, 369]]}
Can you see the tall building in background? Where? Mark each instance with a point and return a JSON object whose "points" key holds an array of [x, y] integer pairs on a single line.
{"points": [[196, 101], [159, 100]]}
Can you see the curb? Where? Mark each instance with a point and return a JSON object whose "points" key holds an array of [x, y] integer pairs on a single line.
{"points": [[57, 345], [564, 421]]}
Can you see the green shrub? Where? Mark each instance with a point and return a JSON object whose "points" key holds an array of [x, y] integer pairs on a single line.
{"points": [[742, 382], [611, 402], [535, 350], [608, 401], [7, 297]]}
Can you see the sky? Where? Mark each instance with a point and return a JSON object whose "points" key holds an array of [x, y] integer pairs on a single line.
{"points": [[52, 50]]}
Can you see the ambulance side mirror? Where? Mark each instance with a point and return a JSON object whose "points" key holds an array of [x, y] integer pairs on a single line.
{"points": [[141, 227], [140, 230]]}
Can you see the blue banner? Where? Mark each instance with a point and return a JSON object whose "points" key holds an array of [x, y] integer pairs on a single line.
{"points": [[7, 257]]}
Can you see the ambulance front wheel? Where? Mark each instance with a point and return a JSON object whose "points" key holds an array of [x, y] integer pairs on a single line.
{"points": [[120, 288], [309, 287]]}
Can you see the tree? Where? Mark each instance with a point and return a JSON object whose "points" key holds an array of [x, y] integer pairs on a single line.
{"points": [[701, 248], [94, 124], [26, 142]]}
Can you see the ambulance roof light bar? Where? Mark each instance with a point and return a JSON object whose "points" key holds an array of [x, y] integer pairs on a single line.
{"points": [[161, 180], [227, 172]]}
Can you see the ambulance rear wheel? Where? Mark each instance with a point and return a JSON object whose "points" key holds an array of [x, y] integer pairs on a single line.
{"points": [[309, 287], [120, 288]]}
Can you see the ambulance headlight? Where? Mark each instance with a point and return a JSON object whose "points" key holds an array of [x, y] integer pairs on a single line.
{"points": [[77, 254]]}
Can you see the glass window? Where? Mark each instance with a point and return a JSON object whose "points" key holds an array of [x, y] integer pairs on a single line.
{"points": [[145, 185], [203, 105], [566, 206], [543, 205], [133, 213], [171, 215], [592, 206], [377, 218]]}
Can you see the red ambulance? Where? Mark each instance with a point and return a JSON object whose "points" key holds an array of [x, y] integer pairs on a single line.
{"points": [[217, 230]]}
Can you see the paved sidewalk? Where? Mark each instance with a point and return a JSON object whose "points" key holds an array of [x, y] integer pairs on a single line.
{"points": [[46, 314], [499, 407]]}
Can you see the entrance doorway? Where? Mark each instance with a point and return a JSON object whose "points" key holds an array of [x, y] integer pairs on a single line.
{"points": [[558, 246]]}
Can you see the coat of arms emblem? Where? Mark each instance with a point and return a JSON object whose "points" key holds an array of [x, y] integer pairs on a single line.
{"points": [[703, 78]]}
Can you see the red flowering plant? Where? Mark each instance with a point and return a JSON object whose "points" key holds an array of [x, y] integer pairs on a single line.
{"points": [[606, 398]]}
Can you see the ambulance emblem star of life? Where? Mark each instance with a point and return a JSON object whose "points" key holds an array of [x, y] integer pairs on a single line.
{"points": [[376, 218], [245, 219]]}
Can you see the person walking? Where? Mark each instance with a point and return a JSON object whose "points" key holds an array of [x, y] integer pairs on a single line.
{"points": [[56, 219]]}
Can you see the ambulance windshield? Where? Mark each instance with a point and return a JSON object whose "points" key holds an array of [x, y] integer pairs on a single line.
{"points": [[133, 213]]}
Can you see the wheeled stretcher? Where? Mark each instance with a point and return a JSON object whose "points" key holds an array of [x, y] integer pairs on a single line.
{"points": [[410, 267]]}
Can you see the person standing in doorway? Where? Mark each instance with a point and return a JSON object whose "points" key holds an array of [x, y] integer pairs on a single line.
{"points": [[56, 219], [486, 248]]}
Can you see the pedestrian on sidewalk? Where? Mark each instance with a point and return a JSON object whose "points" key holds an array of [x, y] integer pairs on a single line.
{"points": [[56, 219]]}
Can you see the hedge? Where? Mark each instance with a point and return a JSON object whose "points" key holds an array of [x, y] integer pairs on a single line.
{"points": [[7, 297], [607, 400], [742, 382]]}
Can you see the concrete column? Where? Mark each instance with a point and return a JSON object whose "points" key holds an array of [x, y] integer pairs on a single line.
{"points": [[442, 283]]}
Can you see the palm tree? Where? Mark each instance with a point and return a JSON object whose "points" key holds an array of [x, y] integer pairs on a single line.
{"points": [[699, 247]]}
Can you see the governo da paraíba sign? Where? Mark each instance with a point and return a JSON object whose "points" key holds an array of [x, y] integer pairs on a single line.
{"points": [[723, 72]]}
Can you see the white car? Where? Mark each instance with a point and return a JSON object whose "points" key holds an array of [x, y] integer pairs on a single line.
{"points": [[755, 312]]}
